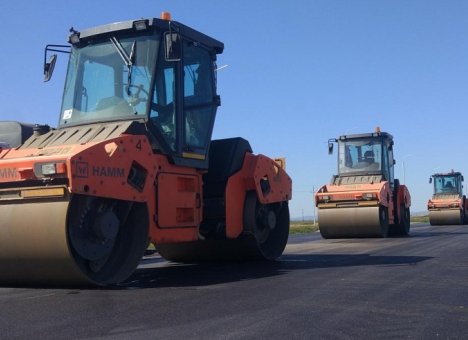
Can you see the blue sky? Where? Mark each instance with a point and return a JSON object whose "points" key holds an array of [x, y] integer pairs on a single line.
{"points": [[299, 72]]}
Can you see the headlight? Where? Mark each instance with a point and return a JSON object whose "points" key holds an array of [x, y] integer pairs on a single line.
{"points": [[50, 169], [324, 198]]}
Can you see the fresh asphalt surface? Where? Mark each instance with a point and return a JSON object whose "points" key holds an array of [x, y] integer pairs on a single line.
{"points": [[395, 288]]}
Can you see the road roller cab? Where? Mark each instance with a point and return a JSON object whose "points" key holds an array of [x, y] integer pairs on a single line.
{"points": [[132, 162], [448, 205], [363, 199]]}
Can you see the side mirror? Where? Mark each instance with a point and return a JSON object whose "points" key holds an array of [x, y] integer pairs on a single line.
{"points": [[49, 67], [462, 179], [330, 148], [430, 180], [172, 46]]}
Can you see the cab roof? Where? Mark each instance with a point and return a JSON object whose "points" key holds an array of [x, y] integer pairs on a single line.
{"points": [[384, 135], [452, 173], [148, 24]]}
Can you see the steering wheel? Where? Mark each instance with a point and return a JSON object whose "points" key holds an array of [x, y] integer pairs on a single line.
{"points": [[135, 98]]}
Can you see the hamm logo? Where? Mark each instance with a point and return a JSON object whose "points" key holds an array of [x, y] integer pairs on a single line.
{"points": [[8, 173], [103, 171], [81, 169]]}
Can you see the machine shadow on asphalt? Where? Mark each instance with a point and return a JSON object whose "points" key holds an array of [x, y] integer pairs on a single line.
{"points": [[206, 274]]}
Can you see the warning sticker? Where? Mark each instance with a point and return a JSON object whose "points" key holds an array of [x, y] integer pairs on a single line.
{"points": [[67, 114]]}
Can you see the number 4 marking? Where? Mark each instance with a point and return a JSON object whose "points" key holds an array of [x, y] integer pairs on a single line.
{"points": [[138, 145]]}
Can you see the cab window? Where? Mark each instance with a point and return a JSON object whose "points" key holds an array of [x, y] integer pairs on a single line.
{"points": [[199, 106]]}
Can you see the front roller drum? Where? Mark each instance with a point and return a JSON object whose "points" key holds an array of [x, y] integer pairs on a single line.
{"points": [[445, 217], [34, 247], [77, 240], [353, 222]]}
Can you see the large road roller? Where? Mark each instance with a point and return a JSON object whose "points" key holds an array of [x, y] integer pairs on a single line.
{"points": [[131, 162], [448, 205], [364, 199]]}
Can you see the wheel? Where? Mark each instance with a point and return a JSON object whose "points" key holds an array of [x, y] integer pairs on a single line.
{"points": [[383, 217], [107, 237]]}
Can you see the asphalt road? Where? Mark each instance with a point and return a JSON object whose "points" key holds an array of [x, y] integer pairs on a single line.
{"points": [[415, 287]]}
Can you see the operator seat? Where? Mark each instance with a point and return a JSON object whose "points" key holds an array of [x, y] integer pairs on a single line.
{"points": [[369, 156]]}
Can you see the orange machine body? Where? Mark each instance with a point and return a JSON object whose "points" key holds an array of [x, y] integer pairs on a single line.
{"points": [[453, 202], [363, 195], [173, 194]]}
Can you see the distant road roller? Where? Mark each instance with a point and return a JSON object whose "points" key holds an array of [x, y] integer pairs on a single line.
{"points": [[132, 162], [364, 199], [448, 205]]}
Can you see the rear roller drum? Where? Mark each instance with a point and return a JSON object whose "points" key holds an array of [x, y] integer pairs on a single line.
{"points": [[266, 231]]}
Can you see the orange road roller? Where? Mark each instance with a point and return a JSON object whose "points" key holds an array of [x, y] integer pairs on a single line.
{"points": [[132, 162], [448, 205], [364, 199]]}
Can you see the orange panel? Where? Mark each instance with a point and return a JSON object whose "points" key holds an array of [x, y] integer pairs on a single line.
{"points": [[179, 201], [256, 169]]}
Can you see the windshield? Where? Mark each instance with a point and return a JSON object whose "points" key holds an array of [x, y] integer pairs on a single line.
{"points": [[109, 79], [447, 184], [359, 156]]}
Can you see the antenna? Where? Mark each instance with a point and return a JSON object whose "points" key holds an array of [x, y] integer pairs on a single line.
{"points": [[221, 67]]}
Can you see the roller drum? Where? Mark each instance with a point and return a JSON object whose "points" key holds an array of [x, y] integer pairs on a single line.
{"points": [[352, 222], [267, 239], [34, 247], [72, 240], [445, 217], [211, 251]]}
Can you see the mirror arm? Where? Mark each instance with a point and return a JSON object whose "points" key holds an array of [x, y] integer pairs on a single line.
{"points": [[48, 67]]}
